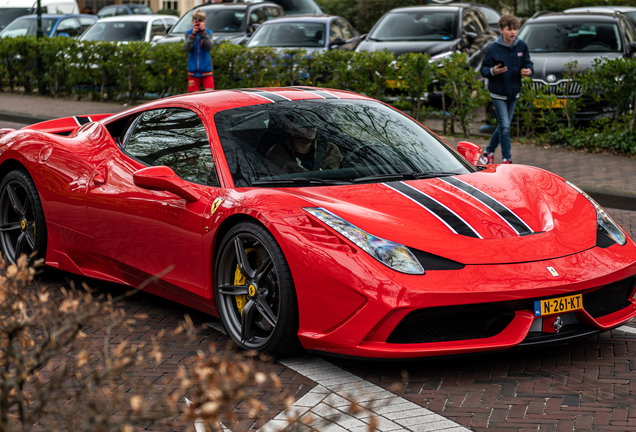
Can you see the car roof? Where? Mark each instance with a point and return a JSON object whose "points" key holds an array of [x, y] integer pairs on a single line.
{"points": [[602, 9], [134, 18], [51, 16], [303, 18], [238, 6], [573, 17], [455, 7]]}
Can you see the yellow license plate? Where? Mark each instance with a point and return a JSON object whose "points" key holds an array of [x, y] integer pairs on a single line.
{"points": [[559, 103], [558, 305]]}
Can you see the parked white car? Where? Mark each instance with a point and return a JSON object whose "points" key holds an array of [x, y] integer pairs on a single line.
{"points": [[127, 28]]}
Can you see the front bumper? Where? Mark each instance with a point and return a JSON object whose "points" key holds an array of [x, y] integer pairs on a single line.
{"points": [[370, 330]]}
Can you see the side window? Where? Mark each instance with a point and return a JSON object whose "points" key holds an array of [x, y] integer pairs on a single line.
{"points": [[174, 137], [107, 12], [469, 24], [344, 29], [69, 26], [335, 32], [85, 23], [158, 29], [271, 12], [121, 11], [628, 29]]}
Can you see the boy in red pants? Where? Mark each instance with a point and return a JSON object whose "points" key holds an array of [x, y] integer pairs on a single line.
{"points": [[198, 43]]}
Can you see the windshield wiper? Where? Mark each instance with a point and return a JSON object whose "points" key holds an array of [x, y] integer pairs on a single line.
{"points": [[405, 176], [299, 181]]}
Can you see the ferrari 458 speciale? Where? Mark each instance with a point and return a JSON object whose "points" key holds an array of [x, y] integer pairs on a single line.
{"points": [[376, 239]]}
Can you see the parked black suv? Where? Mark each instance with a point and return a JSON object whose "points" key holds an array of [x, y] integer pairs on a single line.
{"points": [[555, 39], [229, 21]]}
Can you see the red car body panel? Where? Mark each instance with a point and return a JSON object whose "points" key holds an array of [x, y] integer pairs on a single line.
{"points": [[102, 225]]}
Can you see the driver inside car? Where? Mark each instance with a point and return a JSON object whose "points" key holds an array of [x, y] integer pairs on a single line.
{"points": [[298, 148]]}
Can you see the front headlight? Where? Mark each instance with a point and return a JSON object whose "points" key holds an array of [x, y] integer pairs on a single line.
{"points": [[393, 255], [604, 222]]}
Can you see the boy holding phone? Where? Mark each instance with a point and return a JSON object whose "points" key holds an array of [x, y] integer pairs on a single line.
{"points": [[506, 61], [198, 44]]}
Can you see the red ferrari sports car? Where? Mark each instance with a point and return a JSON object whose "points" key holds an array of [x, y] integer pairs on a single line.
{"points": [[317, 219]]}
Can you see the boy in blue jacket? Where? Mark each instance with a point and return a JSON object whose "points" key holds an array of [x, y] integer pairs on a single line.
{"points": [[199, 43], [506, 61]]}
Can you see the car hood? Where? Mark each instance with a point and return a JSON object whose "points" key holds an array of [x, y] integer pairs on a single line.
{"points": [[562, 221], [554, 63], [401, 47]]}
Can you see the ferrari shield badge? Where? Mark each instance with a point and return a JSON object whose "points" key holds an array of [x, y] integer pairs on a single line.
{"points": [[552, 271], [215, 205]]}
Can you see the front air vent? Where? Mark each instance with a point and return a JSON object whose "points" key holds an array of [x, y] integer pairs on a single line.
{"points": [[451, 323], [609, 299]]}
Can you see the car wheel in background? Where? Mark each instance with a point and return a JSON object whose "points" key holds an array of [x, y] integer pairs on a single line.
{"points": [[22, 223], [255, 293]]}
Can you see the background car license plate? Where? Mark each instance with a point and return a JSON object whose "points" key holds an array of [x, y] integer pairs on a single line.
{"points": [[558, 305]]}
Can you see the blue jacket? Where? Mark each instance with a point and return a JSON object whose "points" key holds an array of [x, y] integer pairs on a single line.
{"points": [[516, 57], [199, 46]]}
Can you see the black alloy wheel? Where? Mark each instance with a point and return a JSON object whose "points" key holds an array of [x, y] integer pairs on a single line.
{"points": [[255, 293], [22, 223]]}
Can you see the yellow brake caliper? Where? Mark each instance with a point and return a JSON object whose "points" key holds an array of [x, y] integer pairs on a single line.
{"points": [[239, 279]]}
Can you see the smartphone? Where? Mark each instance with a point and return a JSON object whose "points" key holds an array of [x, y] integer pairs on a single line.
{"points": [[499, 62]]}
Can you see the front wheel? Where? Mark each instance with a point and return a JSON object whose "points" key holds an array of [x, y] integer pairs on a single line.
{"points": [[22, 223], [255, 293]]}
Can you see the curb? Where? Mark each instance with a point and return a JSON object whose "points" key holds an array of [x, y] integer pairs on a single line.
{"points": [[22, 118], [605, 198]]}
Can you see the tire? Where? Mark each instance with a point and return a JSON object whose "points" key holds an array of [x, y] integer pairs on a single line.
{"points": [[255, 293], [22, 222]]}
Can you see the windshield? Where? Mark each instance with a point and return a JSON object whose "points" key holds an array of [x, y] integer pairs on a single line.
{"points": [[222, 20], [304, 35], [116, 31], [27, 27], [491, 16], [429, 26], [571, 37], [355, 141], [9, 14], [299, 7]]}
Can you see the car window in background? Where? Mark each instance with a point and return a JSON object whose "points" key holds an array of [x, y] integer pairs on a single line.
{"points": [[176, 138], [222, 21], [271, 12], [27, 27], [345, 29], [416, 26], [9, 14], [299, 7], [631, 16], [107, 12], [140, 10], [70, 26], [335, 32], [85, 22], [628, 29], [301, 35], [490, 15], [556, 37], [116, 31], [121, 11]]}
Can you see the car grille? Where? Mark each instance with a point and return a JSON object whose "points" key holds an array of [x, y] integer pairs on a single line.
{"points": [[558, 88], [451, 323], [609, 299]]}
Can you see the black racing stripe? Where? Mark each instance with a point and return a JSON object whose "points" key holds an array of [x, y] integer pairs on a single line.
{"points": [[456, 223], [321, 93], [274, 97], [82, 120], [515, 221]]}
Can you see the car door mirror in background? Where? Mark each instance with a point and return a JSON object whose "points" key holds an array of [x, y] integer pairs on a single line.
{"points": [[470, 151], [254, 27], [163, 178], [337, 42]]}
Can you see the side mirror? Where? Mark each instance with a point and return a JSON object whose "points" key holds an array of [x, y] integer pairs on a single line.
{"points": [[336, 43], [364, 36], [253, 27], [163, 178], [470, 151]]}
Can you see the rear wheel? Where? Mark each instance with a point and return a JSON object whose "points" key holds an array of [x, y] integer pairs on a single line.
{"points": [[22, 223], [255, 293]]}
